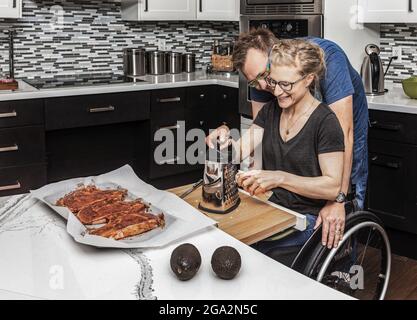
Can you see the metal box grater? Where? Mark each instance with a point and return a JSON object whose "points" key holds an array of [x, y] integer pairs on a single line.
{"points": [[220, 192]]}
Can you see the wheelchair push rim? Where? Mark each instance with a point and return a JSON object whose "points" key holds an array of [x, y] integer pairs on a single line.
{"points": [[385, 256]]}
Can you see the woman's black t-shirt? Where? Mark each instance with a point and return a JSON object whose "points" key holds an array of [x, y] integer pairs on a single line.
{"points": [[322, 133]]}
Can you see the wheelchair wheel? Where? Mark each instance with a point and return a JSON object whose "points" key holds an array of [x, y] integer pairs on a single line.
{"points": [[359, 267]]}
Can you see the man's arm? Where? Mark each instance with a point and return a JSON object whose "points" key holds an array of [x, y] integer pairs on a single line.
{"points": [[344, 112], [256, 107], [333, 214]]}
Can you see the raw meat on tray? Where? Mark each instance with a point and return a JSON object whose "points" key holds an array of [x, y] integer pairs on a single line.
{"points": [[122, 219]]}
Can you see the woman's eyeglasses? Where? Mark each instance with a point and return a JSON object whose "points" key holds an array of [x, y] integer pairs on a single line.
{"points": [[284, 85]]}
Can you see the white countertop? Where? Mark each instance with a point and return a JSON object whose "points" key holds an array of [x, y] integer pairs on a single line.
{"points": [[198, 78], [39, 260], [395, 100]]}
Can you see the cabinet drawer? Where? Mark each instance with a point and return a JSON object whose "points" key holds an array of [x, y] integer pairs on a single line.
{"points": [[93, 110], [16, 180], [165, 104], [393, 126], [21, 113], [19, 146], [102, 142], [392, 185], [75, 168], [201, 97]]}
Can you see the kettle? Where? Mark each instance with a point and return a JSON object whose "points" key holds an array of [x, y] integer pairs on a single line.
{"points": [[220, 193], [372, 71]]}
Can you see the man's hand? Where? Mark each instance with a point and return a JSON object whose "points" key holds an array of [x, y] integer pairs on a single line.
{"points": [[333, 217]]}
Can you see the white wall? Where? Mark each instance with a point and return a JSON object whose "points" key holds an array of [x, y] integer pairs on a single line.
{"points": [[340, 26]]}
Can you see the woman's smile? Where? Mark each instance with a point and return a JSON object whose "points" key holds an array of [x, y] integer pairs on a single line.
{"points": [[285, 100]]}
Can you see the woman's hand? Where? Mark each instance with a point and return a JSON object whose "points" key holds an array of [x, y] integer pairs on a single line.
{"points": [[259, 181], [333, 217], [221, 134]]}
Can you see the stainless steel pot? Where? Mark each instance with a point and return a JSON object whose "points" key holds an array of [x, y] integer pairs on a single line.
{"points": [[134, 62], [174, 62], [156, 62], [188, 62]]}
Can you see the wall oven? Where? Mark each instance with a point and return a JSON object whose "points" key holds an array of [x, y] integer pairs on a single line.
{"points": [[286, 19]]}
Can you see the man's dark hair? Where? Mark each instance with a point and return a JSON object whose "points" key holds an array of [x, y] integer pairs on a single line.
{"points": [[260, 39]]}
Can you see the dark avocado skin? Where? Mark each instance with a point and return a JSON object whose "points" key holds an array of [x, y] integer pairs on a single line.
{"points": [[185, 261], [226, 262]]}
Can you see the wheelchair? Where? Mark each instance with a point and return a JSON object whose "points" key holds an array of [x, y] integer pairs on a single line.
{"points": [[360, 266]]}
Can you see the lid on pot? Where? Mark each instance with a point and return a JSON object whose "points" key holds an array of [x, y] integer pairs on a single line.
{"points": [[156, 53], [173, 54], [134, 51]]}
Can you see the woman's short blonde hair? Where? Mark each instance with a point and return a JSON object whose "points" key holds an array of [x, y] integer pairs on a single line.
{"points": [[307, 57]]}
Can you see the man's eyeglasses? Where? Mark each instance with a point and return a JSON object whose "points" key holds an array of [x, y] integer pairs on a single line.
{"points": [[284, 85], [262, 76]]}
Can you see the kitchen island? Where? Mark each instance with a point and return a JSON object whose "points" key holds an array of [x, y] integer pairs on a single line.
{"points": [[40, 260]]}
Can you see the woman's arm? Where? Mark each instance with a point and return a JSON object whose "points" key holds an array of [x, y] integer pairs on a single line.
{"points": [[327, 186]]}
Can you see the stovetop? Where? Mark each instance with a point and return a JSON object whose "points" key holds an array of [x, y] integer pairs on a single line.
{"points": [[80, 80]]}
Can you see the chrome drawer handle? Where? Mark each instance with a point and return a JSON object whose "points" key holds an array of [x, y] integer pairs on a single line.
{"points": [[202, 96], [168, 161], [11, 187], [174, 127], [8, 114], [175, 99], [104, 109], [410, 6], [11, 148]]}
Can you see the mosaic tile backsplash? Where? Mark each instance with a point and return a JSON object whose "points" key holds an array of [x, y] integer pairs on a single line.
{"points": [[67, 37], [404, 35]]}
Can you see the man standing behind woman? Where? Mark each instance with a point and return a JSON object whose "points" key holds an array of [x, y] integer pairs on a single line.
{"points": [[302, 142], [341, 88]]}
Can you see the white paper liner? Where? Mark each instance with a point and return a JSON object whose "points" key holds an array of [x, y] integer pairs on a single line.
{"points": [[181, 219]]}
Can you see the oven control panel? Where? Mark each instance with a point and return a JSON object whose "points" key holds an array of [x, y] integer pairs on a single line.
{"points": [[283, 29]]}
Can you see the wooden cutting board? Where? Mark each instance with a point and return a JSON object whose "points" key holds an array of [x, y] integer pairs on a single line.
{"points": [[251, 222]]}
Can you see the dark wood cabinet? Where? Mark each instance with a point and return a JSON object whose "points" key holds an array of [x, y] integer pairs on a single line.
{"points": [[49, 140], [392, 187], [201, 107], [21, 113], [95, 110], [21, 179], [93, 150], [228, 104], [393, 126], [22, 146], [392, 183]]}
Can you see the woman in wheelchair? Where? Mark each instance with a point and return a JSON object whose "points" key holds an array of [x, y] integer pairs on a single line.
{"points": [[302, 142]]}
